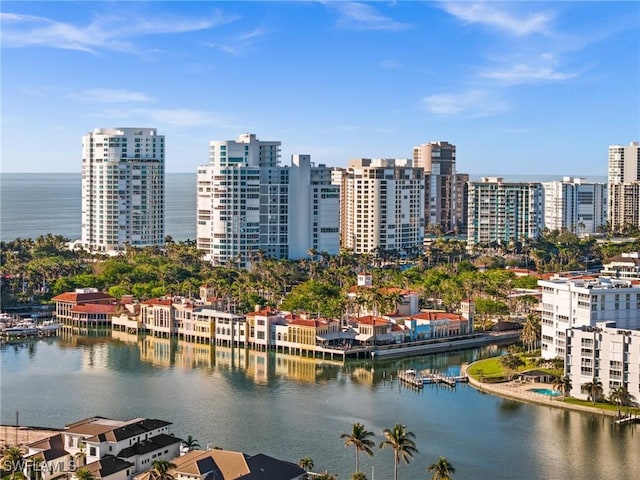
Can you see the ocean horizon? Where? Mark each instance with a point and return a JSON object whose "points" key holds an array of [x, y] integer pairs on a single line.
{"points": [[35, 204]]}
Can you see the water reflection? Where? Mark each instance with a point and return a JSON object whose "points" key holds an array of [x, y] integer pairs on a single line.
{"points": [[291, 407]]}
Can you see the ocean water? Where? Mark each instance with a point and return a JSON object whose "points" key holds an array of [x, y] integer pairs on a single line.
{"points": [[34, 204]]}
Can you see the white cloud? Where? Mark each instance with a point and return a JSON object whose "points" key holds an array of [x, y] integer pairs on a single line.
{"points": [[106, 32], [542, 68], [239, 43], [495, 15], [472, 103], [363, 16], [106, 95]]}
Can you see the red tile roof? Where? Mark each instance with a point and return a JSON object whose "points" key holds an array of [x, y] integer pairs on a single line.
{"points": [[438, 316], [159, 301], [371, 320], [82, 297]]}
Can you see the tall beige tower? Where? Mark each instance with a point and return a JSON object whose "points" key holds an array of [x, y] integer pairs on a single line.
{"points": [[445, 189], [382, 206], [624, 186]]}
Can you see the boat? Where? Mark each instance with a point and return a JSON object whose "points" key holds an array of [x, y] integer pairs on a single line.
{"points": [[21, 330], [49, 327]]}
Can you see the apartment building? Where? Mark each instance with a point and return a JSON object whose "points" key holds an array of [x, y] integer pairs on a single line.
{"points": [[605, 352], [503, 212], [624, 186], [123, 193], [248, 204], [314, 208], [575, 205], [584, 301], [382, 205], [445, 189]]}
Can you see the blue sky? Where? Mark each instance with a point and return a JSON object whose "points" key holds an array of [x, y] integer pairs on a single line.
{"points": [[519, 87]]}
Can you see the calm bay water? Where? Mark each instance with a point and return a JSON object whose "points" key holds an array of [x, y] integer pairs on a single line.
{"points": [[291, 407], [34, 204]]}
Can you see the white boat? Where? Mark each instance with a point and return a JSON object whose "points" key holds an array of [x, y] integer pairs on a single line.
{"points": [[49, 327], [21, 330]]}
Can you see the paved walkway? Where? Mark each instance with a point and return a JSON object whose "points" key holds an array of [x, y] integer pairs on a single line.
{"points": [[521, 391]]}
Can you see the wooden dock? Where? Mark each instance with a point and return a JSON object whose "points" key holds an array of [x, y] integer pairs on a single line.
{"points": [[411, 378]]}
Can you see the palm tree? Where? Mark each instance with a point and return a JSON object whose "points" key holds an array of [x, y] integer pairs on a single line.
{"points": [[160, 470], [358, 476], [593, 389], [325, 476], [620, 396], [530, 332], [359, 438], [306, 463], [85, 474], [563, 384], [191, 443], [402, 444], [442, 469], [81, 456], [13, 460]]}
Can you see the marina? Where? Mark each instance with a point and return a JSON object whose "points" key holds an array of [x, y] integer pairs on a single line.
{"points": [[12, 328], [417, 379]]}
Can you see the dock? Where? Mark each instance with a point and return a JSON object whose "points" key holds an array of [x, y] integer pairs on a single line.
{"points": [[628, 420], [411, 378]]}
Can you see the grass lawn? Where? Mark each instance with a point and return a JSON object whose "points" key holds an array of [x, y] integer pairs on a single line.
{"points": [[492, 370], [602, 406]]}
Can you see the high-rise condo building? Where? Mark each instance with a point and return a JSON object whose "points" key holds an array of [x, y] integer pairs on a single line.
{"points": [[576, 302], [605, 352], [248, 204], [382, 206], [314, 208], [503, 212], [575, 205], [624, 186], [122, 189], [445, 189]]}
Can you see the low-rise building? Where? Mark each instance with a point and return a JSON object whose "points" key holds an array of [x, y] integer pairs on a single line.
{"points": [[219, 464], [109, 449], [623, 266], [68, 301]]}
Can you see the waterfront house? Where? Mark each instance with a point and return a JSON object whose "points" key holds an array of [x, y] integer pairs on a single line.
{"points": [[374, 330], [110, 449], [92, 316], [261, 324], [434, 324], [229, 465], [66, 302], [47, 459]]}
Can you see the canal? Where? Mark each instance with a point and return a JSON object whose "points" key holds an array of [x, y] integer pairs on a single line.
{"points": [[291, 407]]}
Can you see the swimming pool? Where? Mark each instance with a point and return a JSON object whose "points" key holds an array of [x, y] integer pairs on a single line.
{"points": [[545, 391]]}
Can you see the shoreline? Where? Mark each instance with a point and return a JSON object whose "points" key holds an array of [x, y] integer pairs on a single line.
{"points": [[513, 391]]}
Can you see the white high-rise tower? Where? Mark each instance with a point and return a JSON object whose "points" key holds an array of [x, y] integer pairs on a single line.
{"points": [[122, 189]]}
